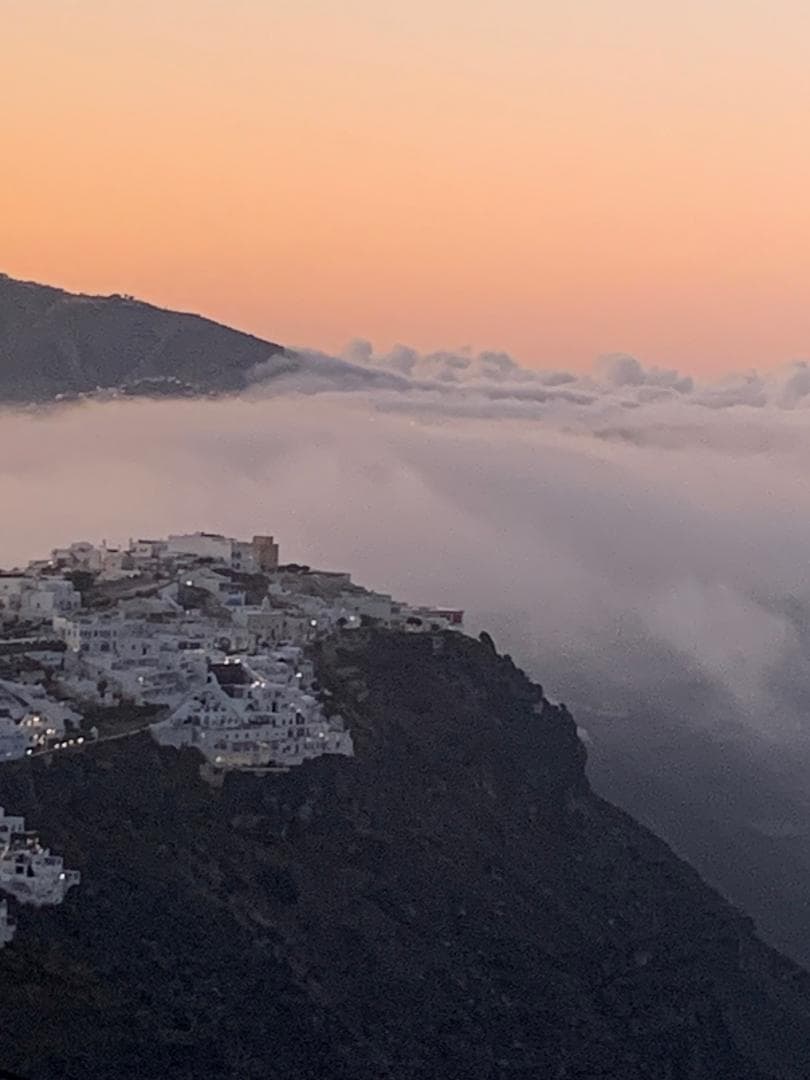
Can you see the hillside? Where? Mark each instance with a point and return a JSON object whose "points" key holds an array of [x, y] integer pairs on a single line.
{"points": [[453, 902], [56, 343]]}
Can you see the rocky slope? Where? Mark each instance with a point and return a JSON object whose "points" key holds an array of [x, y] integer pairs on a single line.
{"points": [[56, 343], [454, 902]]}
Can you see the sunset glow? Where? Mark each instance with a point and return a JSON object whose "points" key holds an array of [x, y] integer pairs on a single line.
{"points": [[556, 180]]}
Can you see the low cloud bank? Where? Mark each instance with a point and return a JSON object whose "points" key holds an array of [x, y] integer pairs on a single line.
{"points": [[474, 382], [595, 537]]}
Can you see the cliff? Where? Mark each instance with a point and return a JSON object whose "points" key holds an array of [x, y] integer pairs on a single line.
{"points": [[54, 343], [454, 902]]}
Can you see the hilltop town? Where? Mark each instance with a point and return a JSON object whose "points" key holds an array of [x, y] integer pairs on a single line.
{"points": [[200, 638]]}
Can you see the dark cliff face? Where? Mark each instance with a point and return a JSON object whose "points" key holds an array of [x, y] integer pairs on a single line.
{"points": [[55, 343], [453, 902]]}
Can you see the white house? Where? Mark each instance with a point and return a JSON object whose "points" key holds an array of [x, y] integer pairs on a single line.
{"points": [[163, 680], [89, 633], [247, 716], [28, 872], [220, 586], [15, 699], [13, 742], [12, 587], [32, 875], [47, 597], [147, 551], [371, 604], [274, 625], [117, 564], [9, 825], [30, 719], [237, 554]]}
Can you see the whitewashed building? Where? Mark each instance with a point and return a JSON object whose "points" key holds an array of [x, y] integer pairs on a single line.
{"points": [[89, 633], [32, 875], [274, 625], [226, 591], [255, 716], [116, 563], [12, 587], [49, 596], [147, 551], [160, 641], [32, 731], [373, 605], [163, 680], [247, 556], [30, 719], [237, 554], [28, 871], [9, 826], [18, 700], [132, 638], [13, 740]]}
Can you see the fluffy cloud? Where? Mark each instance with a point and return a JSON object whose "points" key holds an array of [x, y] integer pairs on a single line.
{"points": [[620, 370], [469, 382]]}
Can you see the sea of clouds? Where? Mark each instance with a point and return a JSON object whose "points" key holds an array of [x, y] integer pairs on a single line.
{"points": [[637, 539], [589, 518]]}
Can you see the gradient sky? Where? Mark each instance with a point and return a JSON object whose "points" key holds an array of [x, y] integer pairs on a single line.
{"points": [[559, 180]]}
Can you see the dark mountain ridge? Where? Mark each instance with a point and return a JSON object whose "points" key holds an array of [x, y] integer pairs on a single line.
{"points": [[453, 902], [59, 344]]}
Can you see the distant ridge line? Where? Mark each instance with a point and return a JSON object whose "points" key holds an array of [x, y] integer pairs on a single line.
{"points": [[56, 344]]}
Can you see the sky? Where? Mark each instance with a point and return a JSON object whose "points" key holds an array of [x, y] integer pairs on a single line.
{"points": [[555, 180]]}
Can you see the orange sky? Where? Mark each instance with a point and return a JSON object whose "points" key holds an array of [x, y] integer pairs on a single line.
{"points": [[556, 180]]}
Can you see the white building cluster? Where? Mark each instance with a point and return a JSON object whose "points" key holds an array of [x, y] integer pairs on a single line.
{"points": [[29, 872], [206, 633], [30, 598], [30, 719], [208, 629], [256, 713]]}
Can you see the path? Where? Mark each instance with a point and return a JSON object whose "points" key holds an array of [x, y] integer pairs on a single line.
{"points": [[82, 742]]}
